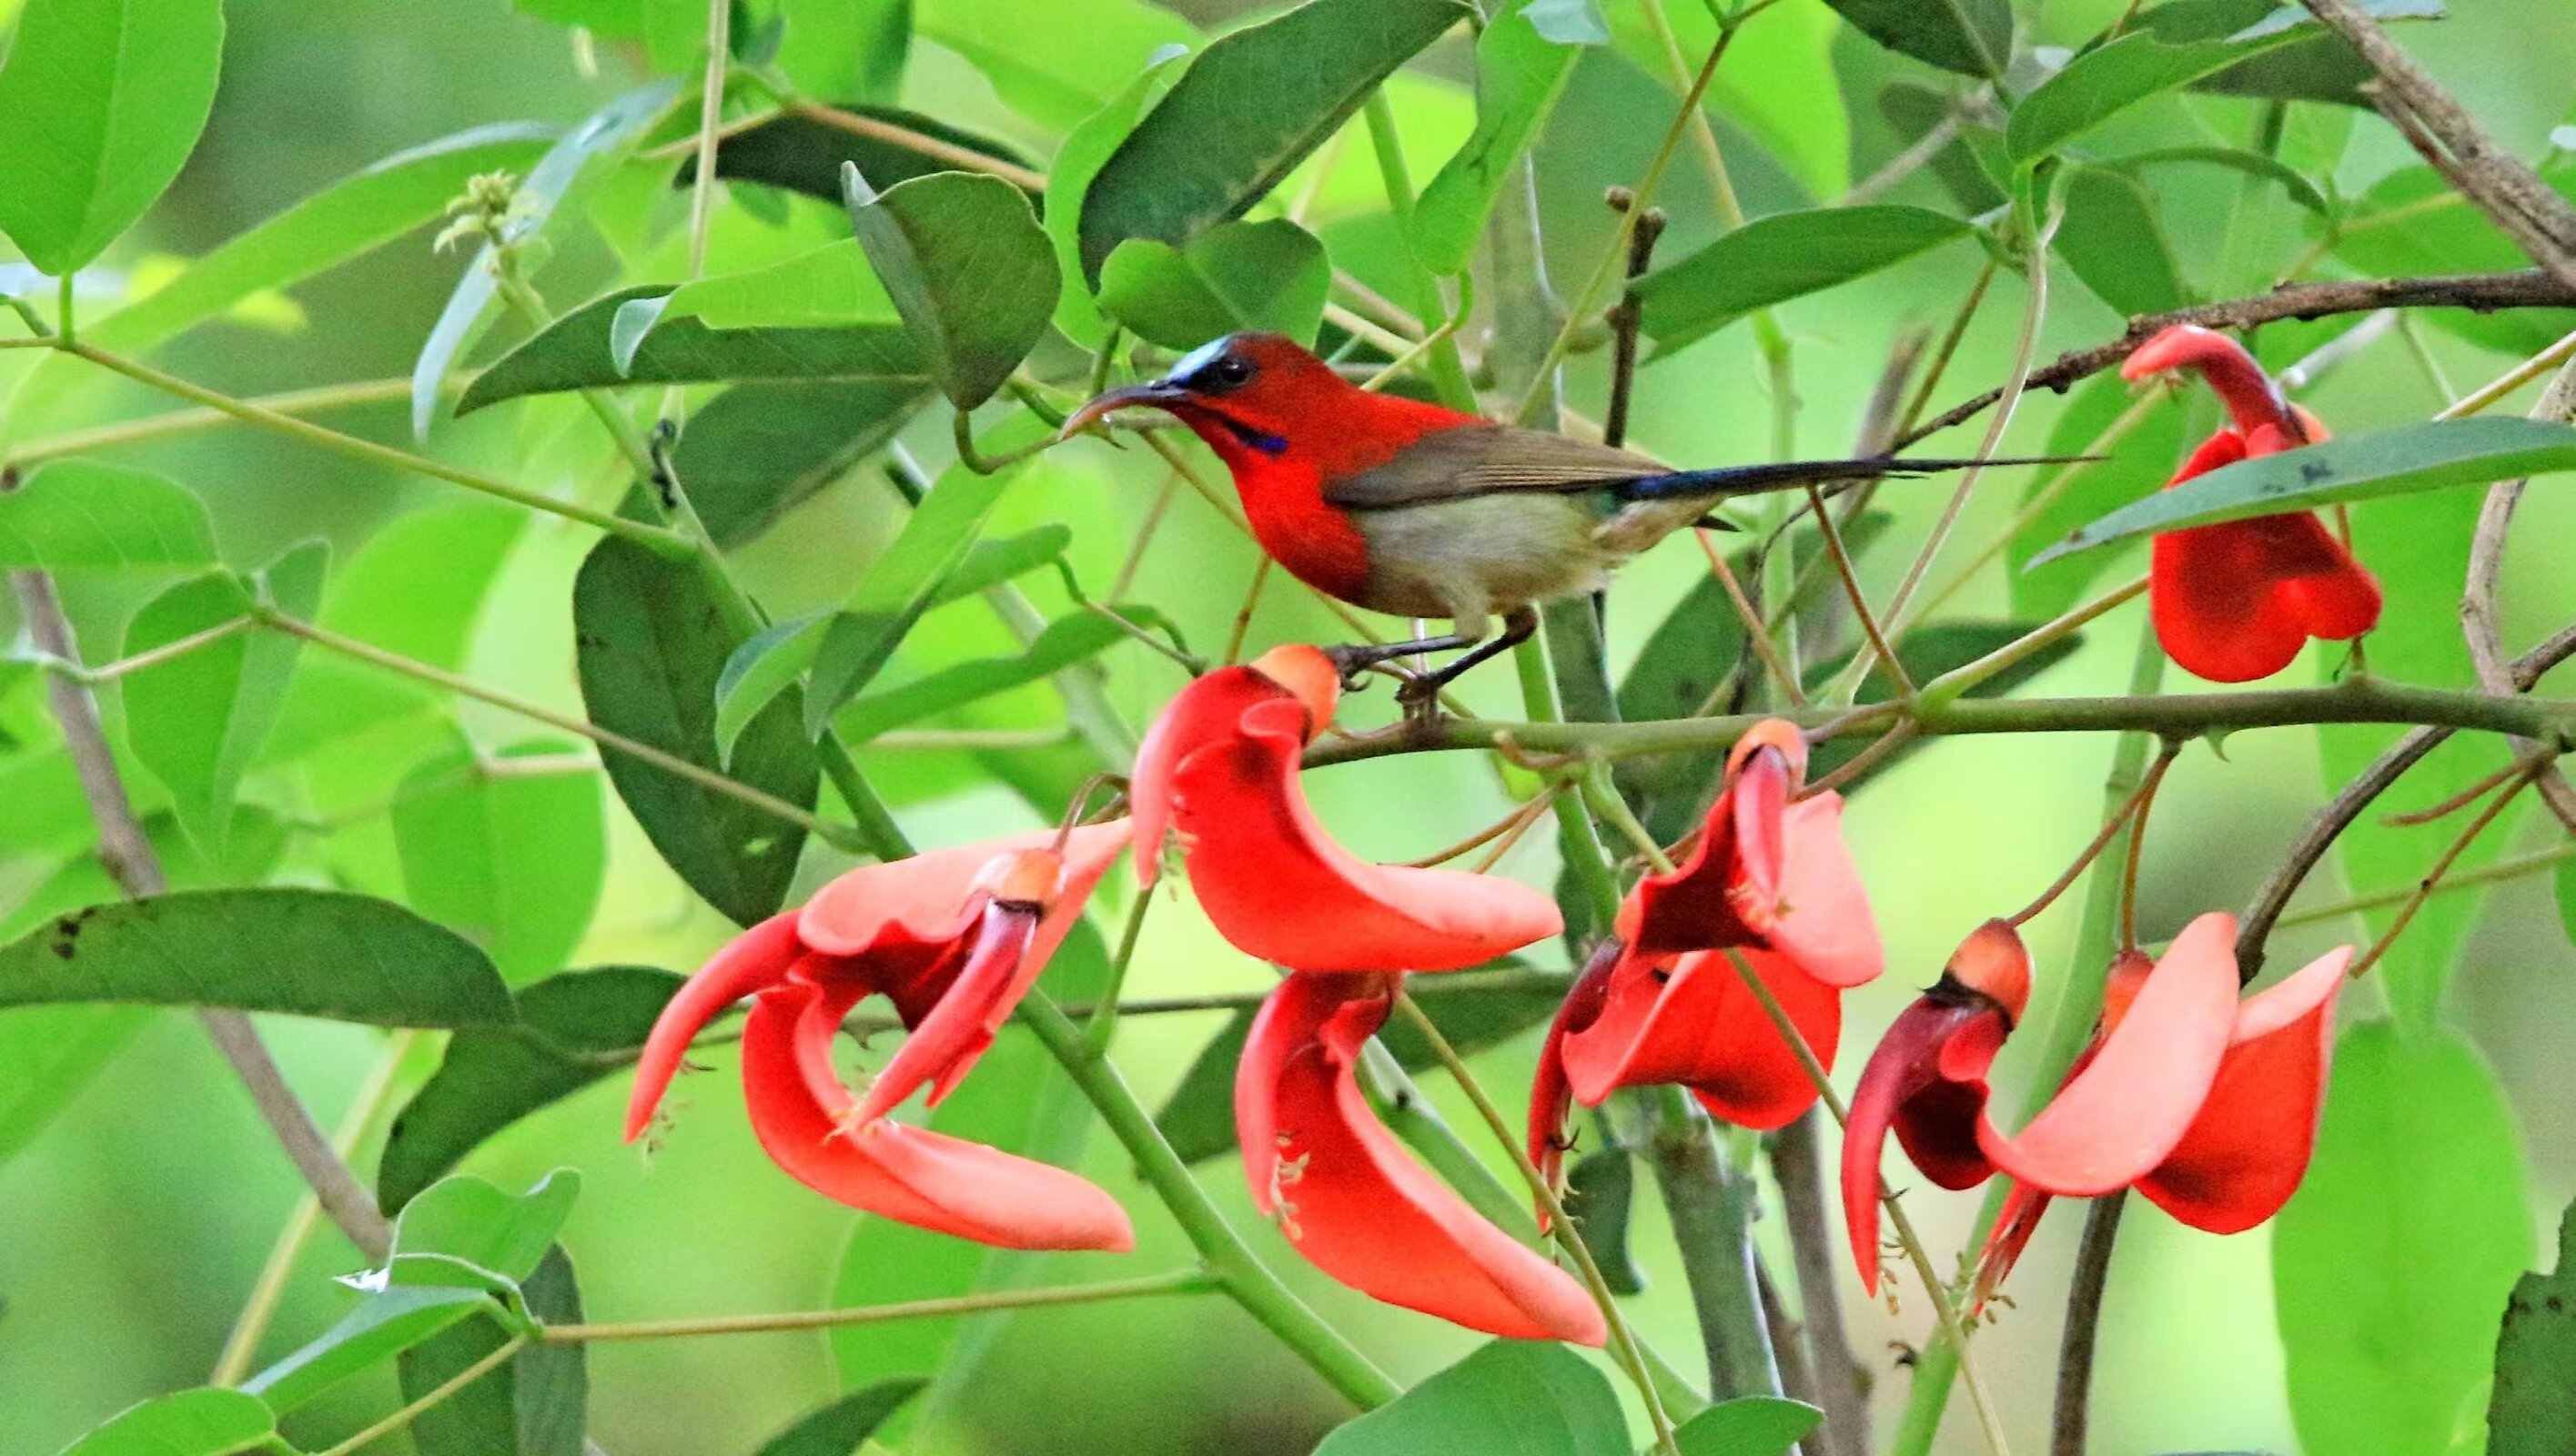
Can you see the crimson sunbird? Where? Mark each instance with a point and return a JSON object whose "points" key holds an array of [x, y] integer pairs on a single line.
{"points": [[1417, 510]]}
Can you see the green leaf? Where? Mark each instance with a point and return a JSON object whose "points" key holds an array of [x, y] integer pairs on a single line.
{"points": [[829, 286], [757, 451], [470, 1219], [2411, 221], [845, 47], [1521, 68], [2323, 68], [513, 862], [1971, 37], [1074, 638], [2391, 1265], [993, 562], [198, 719], [1913, 110], [379, 1328], [1752, 1425], [296, 951], [1787, 255], [573, 353], [572, 1030], [2253, 164], [1241, 275], [2172, 45], [2535, 1363], [2139, 463], [1598, 1191], [650, 644], [1053, 63], [2429, 456], [2114, 240], [80, 515], [838, 1428], [969, 270], [105, 100], [1198, 1118], [1524, 1397], [210, 1421], [1086, 149], [604, 132], [803, 154], [1203, 156], [531, 1406]]}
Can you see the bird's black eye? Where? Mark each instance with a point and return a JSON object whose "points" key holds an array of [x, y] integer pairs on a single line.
{"points": [[1225, 371]]}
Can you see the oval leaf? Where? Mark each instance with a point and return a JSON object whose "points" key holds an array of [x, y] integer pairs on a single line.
{"points": [[1971, 37], [532, 1406], [2530, 1414], [1521, 68], [1271, 276], [1527, 1398], [105, 100], [838, 1428], [512, 861], [1781, 257], [1066, 641], [381, 1327], [757, 451], [1753, 1425], [803, 152], [968, 268], [574, 353], [478, 1222], [207, 1422], [2429, 456], [80, 515]]}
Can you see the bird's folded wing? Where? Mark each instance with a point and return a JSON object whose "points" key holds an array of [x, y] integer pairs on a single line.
{"points": [[1476, 460]]}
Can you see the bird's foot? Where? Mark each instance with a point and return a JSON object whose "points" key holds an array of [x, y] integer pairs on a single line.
{"points": [[1419, 695]]}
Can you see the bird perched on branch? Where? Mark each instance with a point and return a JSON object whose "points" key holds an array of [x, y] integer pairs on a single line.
{"points": [[1416, 510]]}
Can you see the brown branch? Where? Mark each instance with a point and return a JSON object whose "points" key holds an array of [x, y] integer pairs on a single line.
{"points": [[127, 855], [2478, 625], [2083, 1320], [2477, 292], [1841, 1381], [1627, 315]]}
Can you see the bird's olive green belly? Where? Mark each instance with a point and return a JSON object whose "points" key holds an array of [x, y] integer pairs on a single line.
{"points": [[1469, 557]]}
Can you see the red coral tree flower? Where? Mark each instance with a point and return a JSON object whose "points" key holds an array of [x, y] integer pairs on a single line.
{"points": [[954, 938], [1770, 881], [2205, 1104], [2235, 601]]}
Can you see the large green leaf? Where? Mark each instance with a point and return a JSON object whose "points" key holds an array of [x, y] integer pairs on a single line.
{"points": [[2114, 239], [2412, 222], [757, 451], [1971, 37], [1525, 1397], [1519, 74], [845, 47], [301, 952], [1787, 255], [531, 1406], [198, 719], [970, 272], [573, 353], [1752, 1425], [380, 1327], [650, 646], [1779, 82], [802, 154], [2433, 455], [1209, 151], [105, 99], [1198, 1118], [605, 132], [2530, 1413], [572, 1030], [2391, 1265], [1054, 63], [1086, 149], [210, 1421], [1069, 639], [486, 1226], [80, 515], [838, 1428], [1239, 275], [2139, 463], [511, 861]]}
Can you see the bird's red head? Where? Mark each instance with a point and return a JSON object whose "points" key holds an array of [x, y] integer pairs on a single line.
{"points": [[1255, 397]]}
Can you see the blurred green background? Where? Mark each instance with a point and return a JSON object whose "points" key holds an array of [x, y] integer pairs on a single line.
{"points": [[131, 1228]]}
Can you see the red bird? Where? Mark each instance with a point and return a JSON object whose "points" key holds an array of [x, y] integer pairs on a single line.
{"points": [[1416, 510]]}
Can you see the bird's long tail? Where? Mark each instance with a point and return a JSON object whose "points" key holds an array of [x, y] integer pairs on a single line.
{"points": [[1726, 480]]}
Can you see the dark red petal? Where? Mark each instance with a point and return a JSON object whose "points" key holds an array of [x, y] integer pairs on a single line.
{"points": [[1764, 872], [1904, 1066], [908, 1174], [1550, 1093], [961, 1024], [2246, 1151], [1208, 711], [2253, 400], [2123, 1113], [1280, 888], [1353, 1202], [752, 961], [1693, 1021], [924, 899], [2015, 1222], [1695, 904]]}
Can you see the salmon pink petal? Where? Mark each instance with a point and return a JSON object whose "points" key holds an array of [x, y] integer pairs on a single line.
{"points": [[960, 1025], [1820, 917], [1207, 711], [2252, 398], [1904, 1071], [2245, 1153], [923, 899], [1551, 1095], [1768, 873], [752, 961], [1278, 887], [2123, 1113], [1353, 1202], [907, 1174], [1693, 1021]]}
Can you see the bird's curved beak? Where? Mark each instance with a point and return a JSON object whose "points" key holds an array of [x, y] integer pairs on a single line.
{"points": [[1158, 394]]}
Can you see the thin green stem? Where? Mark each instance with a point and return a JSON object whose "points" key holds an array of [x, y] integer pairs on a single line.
{"points": [[1963, 679], [1709, 1198], [63, 309], [1178, 1281], [107, 672], [1408, 1113], [2506, 869], [1104, 1016], [177, 422], [702, 188], [437, 1397], [1243, 1276], [1585, 857], [1448, 370]]}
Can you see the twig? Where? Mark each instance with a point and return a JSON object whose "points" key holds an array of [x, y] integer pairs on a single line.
{"points": [[2433, 877], [2084, 858], [1756, 634], [1905, 163], [499, 1356], [2083, 1322], [1179, 1281], [1627, 315], [1842, 1381], [936, 148], [128, 857], [2478, 624]]}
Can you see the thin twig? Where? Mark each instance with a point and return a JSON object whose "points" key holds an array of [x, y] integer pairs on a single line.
{"points": [[446, 1389], [2478, 614], [938, 149], [1179, 1281], [1842, 1381], [2084, 858], [1756, 635], [2083, 1321], [2433, 877]]}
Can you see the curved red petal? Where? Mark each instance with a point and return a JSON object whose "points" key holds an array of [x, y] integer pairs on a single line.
{"points": [[1820, 918], [1902, 1069], [1551, 1094], [1278, 887], [960, 1025], [908, 1174], [2244, 1155], [923, 899], [2124, 1112], [1353, 1202], [1207, 711], [1695, 905], [2015, 1222], [752, 961], [1694, 1022], [2252, 398], [2214, 610]]}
